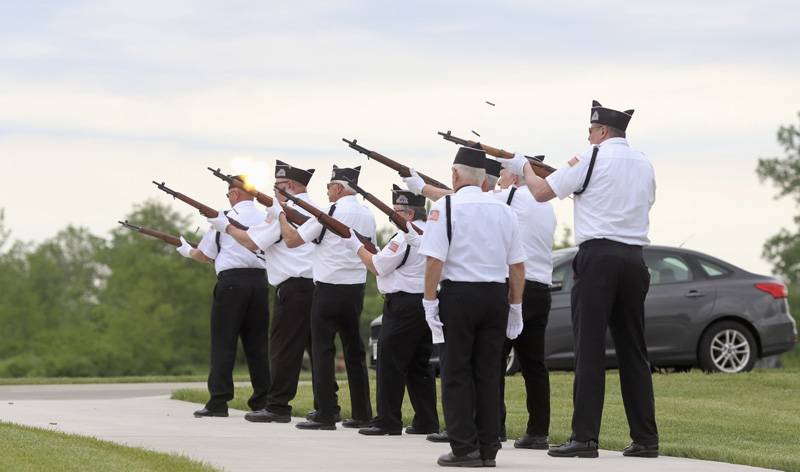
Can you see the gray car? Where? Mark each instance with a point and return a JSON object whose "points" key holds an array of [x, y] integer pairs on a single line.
{"points": [[700, 312]]}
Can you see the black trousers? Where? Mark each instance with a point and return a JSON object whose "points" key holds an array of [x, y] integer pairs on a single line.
{"points": [[240, 309], [337, 308], [404, 352], [289, 339], [611, 282], [475, 315], [529, 350]]}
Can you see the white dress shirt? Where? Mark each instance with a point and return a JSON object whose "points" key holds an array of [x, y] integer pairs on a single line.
{"points": [[333, 262], [537, 225], [617, 202], [283, 262], [410, 277], [233, 255], [485, 242]]}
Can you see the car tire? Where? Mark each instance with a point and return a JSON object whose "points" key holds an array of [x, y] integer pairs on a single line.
{"points": [[512, 363], [729, 347]]}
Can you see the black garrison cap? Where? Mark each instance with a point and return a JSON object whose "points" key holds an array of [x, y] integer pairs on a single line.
{"points": [[343, 174], [286, 171], [606, 116], [471, 156], [493, 167], [404, 197]]}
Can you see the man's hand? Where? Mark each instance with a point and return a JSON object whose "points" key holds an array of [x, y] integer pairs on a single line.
{"points": [[432, 318], [514, 326], [185, 249], [414, 183], [352, 243], [219, 222], [515, 165], [413, 238]]}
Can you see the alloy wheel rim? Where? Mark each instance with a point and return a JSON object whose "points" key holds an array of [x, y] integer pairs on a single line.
{"points": [[730, 351]]}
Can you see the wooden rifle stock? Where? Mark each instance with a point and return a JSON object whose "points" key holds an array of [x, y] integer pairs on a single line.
{"points": [[292, 215], [394, 217], [167, 238], [204, 210], [335, 226], [539, 168], [404, 171]]}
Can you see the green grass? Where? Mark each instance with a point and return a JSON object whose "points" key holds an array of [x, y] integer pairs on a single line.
{"points": [[34, 449], [748, 418]]}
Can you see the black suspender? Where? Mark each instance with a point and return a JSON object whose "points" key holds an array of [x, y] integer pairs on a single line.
{"points": [[589, 172], [447, 216], [216, 238], [324, 229], [511, 195]]}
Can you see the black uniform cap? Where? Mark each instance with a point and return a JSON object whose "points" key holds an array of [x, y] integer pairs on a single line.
{"points": [[286, 171], [240, 178], [606, 116], [493, 167], [471, 156], [404, 197], [343, 174]]}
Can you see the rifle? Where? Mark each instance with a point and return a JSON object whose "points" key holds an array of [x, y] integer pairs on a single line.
{"points": [[167, 238], [292, 215], [336, 226], [394, 217], [401, 169], [204, 210], [539, 168]]}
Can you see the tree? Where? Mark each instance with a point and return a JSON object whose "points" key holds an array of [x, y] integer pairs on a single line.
{"points": [[783, 249]]}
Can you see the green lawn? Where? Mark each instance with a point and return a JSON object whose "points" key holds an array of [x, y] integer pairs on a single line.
{"points": [[748, 418], [33, 449]]}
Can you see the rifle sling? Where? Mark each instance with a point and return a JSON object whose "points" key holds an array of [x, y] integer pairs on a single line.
{"points": [[588, 172]]}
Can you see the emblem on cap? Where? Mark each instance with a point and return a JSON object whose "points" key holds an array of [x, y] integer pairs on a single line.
{"points": [[595, 116], [280, 173], [402, 200]]}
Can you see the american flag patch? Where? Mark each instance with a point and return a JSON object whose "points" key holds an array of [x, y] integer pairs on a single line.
{"points": [[574, 161], [393, 246], [434, 216]]}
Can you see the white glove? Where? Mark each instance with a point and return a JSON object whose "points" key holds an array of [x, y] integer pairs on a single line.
{"points": [[414, 183], [275, 210], [184, 249], [432, 318], [352, 243], [514, 326], [413, 238], [515, 165], [220, 222]]}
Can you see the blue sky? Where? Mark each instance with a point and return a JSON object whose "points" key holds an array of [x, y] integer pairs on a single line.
{"points": [[124, 92]]}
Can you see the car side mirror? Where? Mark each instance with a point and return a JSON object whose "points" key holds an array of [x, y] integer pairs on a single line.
{"points": [[556, 285]]}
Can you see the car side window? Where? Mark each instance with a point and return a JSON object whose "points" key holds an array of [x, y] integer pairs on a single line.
{"points": [[712, 270], [563, 273], [667, 268]]}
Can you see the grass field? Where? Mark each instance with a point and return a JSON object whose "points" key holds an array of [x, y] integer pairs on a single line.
{"points": [[32, 449], [745, 419]]}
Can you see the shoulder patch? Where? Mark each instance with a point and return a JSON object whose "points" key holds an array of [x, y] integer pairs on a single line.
{"points": [[393, 246], [434, 216], [574, 161]]}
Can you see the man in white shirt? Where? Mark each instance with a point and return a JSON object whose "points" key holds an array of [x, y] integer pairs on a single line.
{"points": [[614, 188], [404, 346], [472, 246], [537, 224], [240, 308], [339, 278], [290, 272]]}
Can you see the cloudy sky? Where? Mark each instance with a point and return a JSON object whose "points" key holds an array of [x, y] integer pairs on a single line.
{"points": [[98, 98]]}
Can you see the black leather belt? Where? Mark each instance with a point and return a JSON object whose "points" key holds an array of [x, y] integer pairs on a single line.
{"points": [[242, 272]]}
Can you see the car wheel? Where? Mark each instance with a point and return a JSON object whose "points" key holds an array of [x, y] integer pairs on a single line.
{"points": [[727, 347], [512, 363]]}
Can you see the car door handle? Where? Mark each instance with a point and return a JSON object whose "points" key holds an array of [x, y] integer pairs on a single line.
{"points": [[694, 294]]}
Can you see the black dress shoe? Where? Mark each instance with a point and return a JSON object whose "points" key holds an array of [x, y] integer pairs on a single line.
{"points": [[413, 430], [473, 459], [353, 423], [574, 448], [489, 463], [266, 416], [378, 431], [311, 415], [311, 424], [438, 437], [204, 412], [532, 442], [640, 450]]}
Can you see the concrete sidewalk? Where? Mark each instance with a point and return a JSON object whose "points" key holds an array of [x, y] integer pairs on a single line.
{"points": [[233, 444]]}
